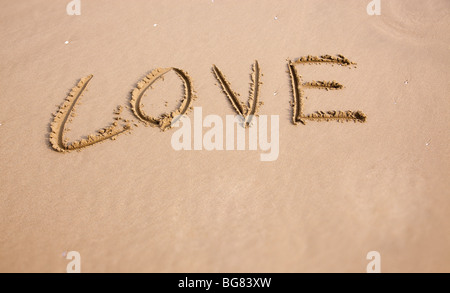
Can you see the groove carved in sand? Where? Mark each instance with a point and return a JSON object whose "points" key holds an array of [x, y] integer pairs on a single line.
{"points": [[246, 111], [64, 116], [299, 95], [164, 122]]}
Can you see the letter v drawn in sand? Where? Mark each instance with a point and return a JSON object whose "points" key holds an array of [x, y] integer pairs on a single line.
{"points": [[64, 116], [246, 111], [299, 94]]}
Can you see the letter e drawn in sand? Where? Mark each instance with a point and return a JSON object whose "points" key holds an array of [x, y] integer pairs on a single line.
{"points": [[164, 122], [246, 111], [64, 116], [299, 95]]}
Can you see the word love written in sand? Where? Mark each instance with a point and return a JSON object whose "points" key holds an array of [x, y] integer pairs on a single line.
{"points": [[66, 111]]}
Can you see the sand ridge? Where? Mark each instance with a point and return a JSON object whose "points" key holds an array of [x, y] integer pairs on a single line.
{"points": [[299, 95]]}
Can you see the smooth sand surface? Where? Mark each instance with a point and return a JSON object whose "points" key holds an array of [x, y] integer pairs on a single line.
{"points": [[336, 192]]}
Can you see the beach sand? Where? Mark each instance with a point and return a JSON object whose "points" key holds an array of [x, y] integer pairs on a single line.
{"points": [[336, 192]]}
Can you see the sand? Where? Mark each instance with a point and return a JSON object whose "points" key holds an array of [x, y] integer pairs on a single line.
{"points": [[336, 192]]}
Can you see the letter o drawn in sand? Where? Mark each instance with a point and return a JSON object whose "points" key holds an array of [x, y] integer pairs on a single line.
{"points": [[164, 121]]}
